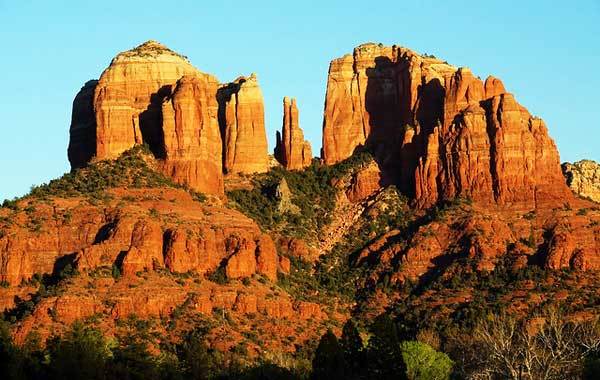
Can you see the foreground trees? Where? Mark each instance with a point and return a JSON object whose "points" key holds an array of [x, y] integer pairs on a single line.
{"points": [[546, 347]]}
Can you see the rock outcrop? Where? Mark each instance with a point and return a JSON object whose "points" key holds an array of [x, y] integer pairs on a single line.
{"points": [[583, 177], [242, 122], [180, 235], [195, 127], [292, 151], [128, 98], [439, 130], [191, 135]]}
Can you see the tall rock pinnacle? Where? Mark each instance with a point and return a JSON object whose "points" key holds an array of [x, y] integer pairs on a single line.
{"points": [[292, 151], [242, 122]]}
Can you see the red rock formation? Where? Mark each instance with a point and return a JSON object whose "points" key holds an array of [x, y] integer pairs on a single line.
{"points": [[364, 183], [292, 151], [242, 122], [266, 258], [574, 243], [146, 250], [131, 239], [128, 97], [187, 250], [191, 135], [242, 262], [153, 95], [82, 142], [439, 130]]}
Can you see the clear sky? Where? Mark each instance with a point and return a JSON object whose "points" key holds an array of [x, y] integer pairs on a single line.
{"points": [[546, 52]]}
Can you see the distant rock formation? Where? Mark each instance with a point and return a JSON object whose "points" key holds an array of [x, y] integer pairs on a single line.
{"points": [[242, 121], [583, 177], [438, 129], [153, 95], [291, 150]]}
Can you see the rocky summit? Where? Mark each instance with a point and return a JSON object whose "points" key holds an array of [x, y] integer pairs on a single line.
{"points": [[437, 130], [436, 222], [196, 127]]}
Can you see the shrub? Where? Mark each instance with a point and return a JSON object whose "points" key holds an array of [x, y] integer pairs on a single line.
{"points": [[425, 363]]}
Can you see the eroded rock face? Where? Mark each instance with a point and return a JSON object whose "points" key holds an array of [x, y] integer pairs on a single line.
{"points": [[242, 122], [82, 142], [129, 96], [556, 239], [191, 134], [127, 237], [438, 129], [583, 177], [292, 151], [195, 127]]}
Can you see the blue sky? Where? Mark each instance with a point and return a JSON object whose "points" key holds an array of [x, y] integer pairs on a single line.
{"points": [[546, 52]]}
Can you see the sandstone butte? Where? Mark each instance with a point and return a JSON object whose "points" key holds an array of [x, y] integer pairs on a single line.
{"points": [[242, 120], [291, 150], [583, 177], [437, 131], [153, 95]]}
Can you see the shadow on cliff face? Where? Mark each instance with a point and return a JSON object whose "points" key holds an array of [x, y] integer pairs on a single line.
{"points": [[82, 133], [151, 122], [393, 113], [224, 95]]}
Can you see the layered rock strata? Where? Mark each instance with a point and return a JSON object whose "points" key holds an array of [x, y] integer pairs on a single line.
{"points": [[242, 122], [440, 131], [152, 95]]}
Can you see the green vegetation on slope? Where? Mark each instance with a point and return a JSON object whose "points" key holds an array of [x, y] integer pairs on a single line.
{"points": [[131, 169], [312, 192]]}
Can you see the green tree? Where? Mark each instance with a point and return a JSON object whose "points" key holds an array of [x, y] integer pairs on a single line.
{"points": [[81, 353], [132, 361], [196, 359], [352, 346], [329, 363], [591, 368], [11, 360], [425, 363], [384, 356]]}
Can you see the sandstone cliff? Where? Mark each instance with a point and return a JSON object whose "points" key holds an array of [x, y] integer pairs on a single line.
{"points": [[291, 150], [128, 98], [191, 135], [438, 130], [152, 95], [583, 177], [242, 122]]}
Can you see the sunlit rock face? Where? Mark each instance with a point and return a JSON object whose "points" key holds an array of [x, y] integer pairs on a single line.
{"points": [[438, 131], [583, 177], [196, 127], [242, 121], [291, 150]]}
